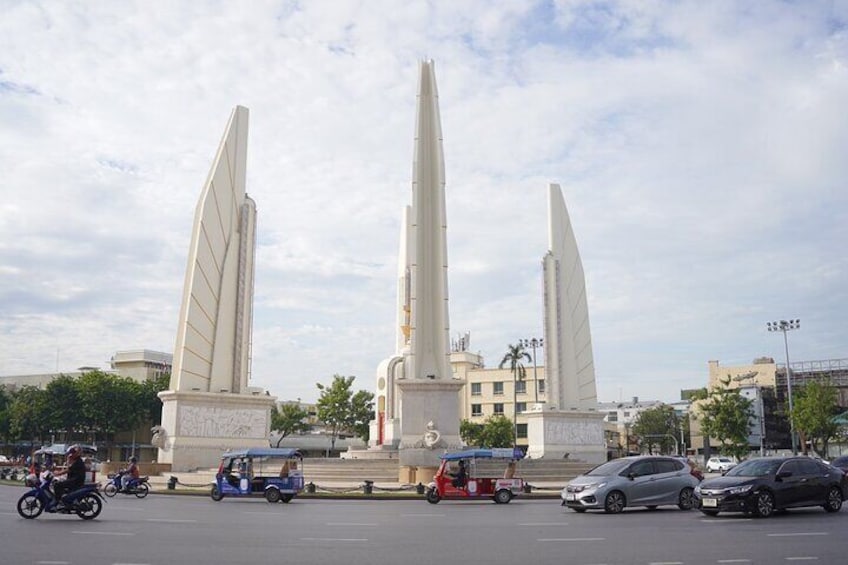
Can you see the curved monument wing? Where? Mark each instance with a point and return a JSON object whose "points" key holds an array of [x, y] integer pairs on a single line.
{"points": [[568, 340], [213, 336]]}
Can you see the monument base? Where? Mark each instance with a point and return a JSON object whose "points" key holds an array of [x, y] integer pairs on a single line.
{"points": [[197, 427], [429, 416], [573, 434]]}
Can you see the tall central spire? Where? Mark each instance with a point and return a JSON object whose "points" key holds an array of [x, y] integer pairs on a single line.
{"points": [[427, 241]]}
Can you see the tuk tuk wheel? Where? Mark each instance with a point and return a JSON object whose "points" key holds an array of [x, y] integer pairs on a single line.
{"points": [[433, 496], [272, 495], [216, 493], [503, 496], [286, 498]]}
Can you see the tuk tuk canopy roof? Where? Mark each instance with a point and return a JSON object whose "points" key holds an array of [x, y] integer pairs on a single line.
{"points": [[496, 453], [285, 452], [61, 448]]}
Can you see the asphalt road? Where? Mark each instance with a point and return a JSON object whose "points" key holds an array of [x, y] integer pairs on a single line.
{"points": [[164, 530]]}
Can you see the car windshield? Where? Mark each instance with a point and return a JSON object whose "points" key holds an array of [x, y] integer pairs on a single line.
{"points": [[840, 460], [613, 467], [755, 468]]}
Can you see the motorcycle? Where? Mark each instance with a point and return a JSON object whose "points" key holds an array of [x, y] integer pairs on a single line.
{"points": [[85, 502], [138, 487]]}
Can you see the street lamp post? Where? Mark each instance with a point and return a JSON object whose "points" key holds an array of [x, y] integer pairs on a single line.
{"points": [[785, 326], [534, 343]]}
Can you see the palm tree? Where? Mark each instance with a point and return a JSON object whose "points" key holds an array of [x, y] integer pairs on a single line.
{"points": [[514, 356]]}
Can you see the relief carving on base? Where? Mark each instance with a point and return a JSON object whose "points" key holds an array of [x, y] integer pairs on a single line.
{"points": [[200, 421]]}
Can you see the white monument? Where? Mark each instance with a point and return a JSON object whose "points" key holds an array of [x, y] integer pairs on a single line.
{"points": [[209, 406], [417, 397], [569, 423]]}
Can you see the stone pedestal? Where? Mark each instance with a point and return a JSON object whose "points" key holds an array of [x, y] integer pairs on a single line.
{"points": [[429, 416], [197, 427], [576, 434]]}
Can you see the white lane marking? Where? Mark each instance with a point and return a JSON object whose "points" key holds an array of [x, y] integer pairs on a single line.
{"points": [[797, 534], [725, 520], [103, 533], [352, 524], [733, 561], [130, 563], [423, 515], [8, 513], [53, 563], [666, 563], [571, 539], [544, 524], [802, 558], [170, 521], [333, 539]]}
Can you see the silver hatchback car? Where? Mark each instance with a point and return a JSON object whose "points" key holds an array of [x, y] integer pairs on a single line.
{"points": [[644, 480]]}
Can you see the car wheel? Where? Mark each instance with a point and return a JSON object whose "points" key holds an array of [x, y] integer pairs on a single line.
{"points": [[764, 504], [503, 496], [833, 502], [686, 500], [614, 502], [272, 495], [216, 493], [710, 512]]}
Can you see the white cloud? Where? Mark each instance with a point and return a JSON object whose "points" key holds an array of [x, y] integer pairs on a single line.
{"points": [[700, 147]]}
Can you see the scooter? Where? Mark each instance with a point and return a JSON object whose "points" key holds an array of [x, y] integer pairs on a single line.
{"points": [[85, 502], [138, 487]]}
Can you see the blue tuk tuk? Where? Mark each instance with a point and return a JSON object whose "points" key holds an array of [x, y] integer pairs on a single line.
{"points": [[274, 473]]}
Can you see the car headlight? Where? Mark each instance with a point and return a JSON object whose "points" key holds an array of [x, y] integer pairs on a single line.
{"points": [[739, 490], [698, 490]]}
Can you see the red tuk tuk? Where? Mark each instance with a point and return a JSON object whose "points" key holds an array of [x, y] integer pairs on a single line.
{"points": [[462, 476]]}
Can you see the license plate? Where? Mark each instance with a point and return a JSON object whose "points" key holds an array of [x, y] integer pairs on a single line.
{"points": [[709, 503], [571, 497]]}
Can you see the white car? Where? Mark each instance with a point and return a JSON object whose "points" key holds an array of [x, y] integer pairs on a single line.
{"points": [[720, 464]]}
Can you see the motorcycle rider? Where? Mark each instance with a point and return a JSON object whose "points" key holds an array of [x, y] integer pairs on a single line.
{"points": [[74, 476], [131, 474]]}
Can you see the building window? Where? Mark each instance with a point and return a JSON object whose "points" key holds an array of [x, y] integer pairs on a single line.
{"points": [[499, 408], [520, 407], [520, 387], [497, 388], [476, 389], [521, 430], [626, 414], [612, 417], [541, 386], [476, 409]]}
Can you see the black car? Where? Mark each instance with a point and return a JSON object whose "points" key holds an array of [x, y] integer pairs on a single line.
{"points": [[761, 486]]}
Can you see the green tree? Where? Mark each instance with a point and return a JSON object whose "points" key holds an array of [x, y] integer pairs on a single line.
{"points": [[5, 414], [514, 356], [288, 419], [654, 425], [63, 397], [498, 431], [109, 404], [342, 410], [471, 433], [149, 400], [28, 413], [813, 411], [726, 415]]}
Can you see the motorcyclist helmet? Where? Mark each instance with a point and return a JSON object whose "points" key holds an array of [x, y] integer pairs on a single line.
{"points": [[73, 451]]}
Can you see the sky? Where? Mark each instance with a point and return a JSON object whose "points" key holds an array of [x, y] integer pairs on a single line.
{"points": [[702, 150]]}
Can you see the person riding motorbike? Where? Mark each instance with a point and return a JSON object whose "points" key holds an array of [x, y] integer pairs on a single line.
{"points": [[131, 474], [74, 476]]}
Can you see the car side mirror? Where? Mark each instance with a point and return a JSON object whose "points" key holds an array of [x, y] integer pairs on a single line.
{"points": [[631, 475]]}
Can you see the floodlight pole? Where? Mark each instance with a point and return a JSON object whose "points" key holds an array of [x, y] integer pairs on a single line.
{"points": [[785, 326]]}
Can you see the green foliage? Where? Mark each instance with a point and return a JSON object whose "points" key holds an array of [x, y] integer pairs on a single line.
{"points": [[29, 414], [654, 425], [149, 401], [725, 416], [496, 431], [287, 420], [5, 414], [342, 410], [471, 433], [63, 397], [514, 356], [814, 407]]}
